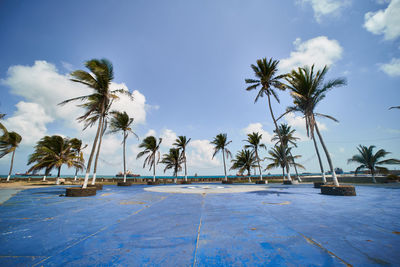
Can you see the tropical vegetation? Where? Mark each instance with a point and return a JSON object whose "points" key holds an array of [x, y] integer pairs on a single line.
{"points": [[9, 142], [173, 160], [220, 143], [370, 160], [181, 143], [121, 122], [151, 149], [278, 155], [245, 160], [254, 143]]}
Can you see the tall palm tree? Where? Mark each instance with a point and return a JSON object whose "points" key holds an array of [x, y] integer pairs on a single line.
{"points": [[287, 134], [151, 147], [77, 148], [9, 143], [244, 161], [121, 122], [98, 79], [220, 143], [370, 161], [54, 152], [265, 72], [308, 89], [173, 160], [278, 155], [254, 143], [181, 143]]}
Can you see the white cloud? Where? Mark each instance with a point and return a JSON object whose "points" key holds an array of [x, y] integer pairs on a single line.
{"points": [[392, 68], [29, 121], [326, 7], [168, 138], [299, 124], [386, 22], [258, 127], [319, 51], [201, 154]]}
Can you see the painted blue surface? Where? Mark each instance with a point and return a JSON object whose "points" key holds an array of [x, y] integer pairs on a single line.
{"points": [[281, 226]]}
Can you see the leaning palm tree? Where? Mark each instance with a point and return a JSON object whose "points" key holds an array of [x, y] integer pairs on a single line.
{"points": [[151, 147], [2, 127], [278, 155], [265, 72], [244, 161], [181, 143], [173, 160], [220, 142], [254, 143], [370, 161], [77, 148], [9, 143], [54, 152], [287, 134], [121, 122], [307, 90], [98, 79]]}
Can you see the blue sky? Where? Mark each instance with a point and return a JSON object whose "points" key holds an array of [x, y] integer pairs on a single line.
{"points": [[186, 62]]}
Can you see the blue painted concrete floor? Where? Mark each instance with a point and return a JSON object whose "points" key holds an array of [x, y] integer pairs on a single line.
{"points": [[127, 226]]}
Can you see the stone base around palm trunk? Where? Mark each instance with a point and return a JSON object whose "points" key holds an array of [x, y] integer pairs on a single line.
{"points": [[185, 182], [97, 186], [153, 183], [287, 182], [318, 184], [261, 182], [227, 182], [341, 190], [80, 192], [124, 184]]}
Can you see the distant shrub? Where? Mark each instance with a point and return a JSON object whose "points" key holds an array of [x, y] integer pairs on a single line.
{"points": [[392, 177]]}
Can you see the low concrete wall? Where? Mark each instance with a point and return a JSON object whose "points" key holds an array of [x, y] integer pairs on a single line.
{"points": [[348, 179]]}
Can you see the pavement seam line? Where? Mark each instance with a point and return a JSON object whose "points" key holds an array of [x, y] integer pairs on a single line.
{"points": [[310, 240], [102, 229], [198, 232]]}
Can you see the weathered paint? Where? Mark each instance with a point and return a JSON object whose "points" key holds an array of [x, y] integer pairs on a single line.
{"points": [[282, 225]]}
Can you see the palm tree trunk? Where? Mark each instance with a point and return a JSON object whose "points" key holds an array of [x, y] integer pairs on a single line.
{"points": [[92, 154], [154, 169], [283, 173], [328, 157], [11, 166], [98, 152], [319, 159], [124, 157], [373, 176], [223, 157], [76, 174], [295, 168], [280, 138], [259, 165], [184, 155], [58, 176]]}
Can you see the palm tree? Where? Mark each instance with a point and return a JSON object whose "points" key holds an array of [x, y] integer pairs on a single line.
{"points": [[220, 142], [287, 134], [9, 143], [181, 143], [278, 155], [254, 143], [151, 147], [245, 160], [307, 90], [122, 122], [265, 72], [369, 160], [53, 152], [173, 160], [77, 148], [99, 79], [2, 127]]}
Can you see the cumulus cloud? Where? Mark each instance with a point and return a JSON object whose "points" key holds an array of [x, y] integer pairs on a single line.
{"points": [[326, 7], [392, 68], [319, 51], [299, 124], [168, 138], [258, 127], [385, 21], [200, 154], [29, 120]]}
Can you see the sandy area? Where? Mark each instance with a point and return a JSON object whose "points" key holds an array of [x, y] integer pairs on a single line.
{"points": [[24, 185]]}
